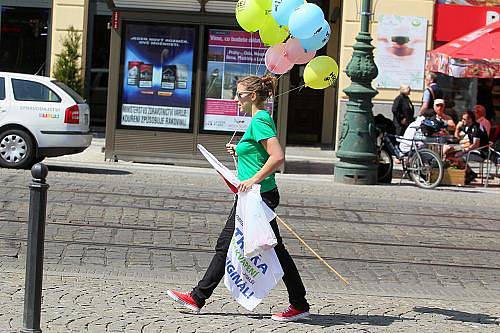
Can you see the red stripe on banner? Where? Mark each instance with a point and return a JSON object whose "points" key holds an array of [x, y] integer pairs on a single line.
{"points": [[231, 186]]}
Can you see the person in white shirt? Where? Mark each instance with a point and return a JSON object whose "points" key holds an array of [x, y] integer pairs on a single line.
{"points": [[480, 112], [413, 128]]}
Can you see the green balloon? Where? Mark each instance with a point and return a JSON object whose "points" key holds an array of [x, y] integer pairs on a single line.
{"points": [[249, 15], [321, 72], [271, 33]]}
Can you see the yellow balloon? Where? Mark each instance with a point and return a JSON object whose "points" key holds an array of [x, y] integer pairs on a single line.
{"points": [[249, 15], [321, 72], [271, 33], [265, 4]]}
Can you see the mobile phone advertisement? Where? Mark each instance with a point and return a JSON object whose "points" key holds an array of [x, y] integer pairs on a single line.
{"points": [[232, 55], [158, 76]]}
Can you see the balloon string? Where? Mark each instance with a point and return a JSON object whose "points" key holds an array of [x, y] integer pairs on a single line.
{"points": [[260, 63], [238, 126], [286, 92]]}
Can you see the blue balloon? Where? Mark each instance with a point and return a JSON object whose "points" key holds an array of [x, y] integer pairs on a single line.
{"points": [[305, 21], [318, 40], [282, 9]]}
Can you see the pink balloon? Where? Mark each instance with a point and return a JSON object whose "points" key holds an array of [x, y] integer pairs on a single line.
{"points": [[296, 54], [275, 59]]}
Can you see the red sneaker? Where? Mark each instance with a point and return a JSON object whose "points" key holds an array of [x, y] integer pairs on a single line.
{"points": [[290, 314], [184, 299]]}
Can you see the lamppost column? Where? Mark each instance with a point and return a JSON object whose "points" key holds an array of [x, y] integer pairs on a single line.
{"points": [[357, 151]]}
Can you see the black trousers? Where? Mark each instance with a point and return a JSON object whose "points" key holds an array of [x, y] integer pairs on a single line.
{"points": [[215, 271]]}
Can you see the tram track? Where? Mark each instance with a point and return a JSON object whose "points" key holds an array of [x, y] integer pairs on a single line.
{"points": [[284, 216], [210, 250], [283, 205], [308, 239]]}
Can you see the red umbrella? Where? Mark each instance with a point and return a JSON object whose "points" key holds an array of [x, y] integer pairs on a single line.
{"points": [[476, 54]]}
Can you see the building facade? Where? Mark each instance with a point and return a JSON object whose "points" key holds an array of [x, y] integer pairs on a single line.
{"points": [[167, 61]]}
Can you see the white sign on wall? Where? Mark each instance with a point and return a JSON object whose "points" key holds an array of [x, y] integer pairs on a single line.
{"points": [[400, 51]]}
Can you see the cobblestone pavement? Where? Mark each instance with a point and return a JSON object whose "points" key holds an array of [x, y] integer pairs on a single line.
{"points": [[119, 235]]}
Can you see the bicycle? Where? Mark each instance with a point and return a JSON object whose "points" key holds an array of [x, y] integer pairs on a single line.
{"points": [[423, 166]]}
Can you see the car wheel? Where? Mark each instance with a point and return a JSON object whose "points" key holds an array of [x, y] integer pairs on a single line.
{"points": [[17, 149]]}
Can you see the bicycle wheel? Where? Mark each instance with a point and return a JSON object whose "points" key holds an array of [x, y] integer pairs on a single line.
{"points": [[426, 169], [385, 165]]}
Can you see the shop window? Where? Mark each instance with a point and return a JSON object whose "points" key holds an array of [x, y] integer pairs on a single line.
{"points": [[2, 88], [33, 92], [231, 55], [23, 39], [157, 82]]}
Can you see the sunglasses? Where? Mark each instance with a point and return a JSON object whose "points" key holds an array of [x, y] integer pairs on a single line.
{"points": [[242, 94]]}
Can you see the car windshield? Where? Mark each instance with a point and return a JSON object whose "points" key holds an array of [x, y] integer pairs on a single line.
{"points": [[78, 99]]}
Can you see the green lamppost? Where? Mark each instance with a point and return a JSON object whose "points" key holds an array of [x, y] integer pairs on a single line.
{"points": [[357, 151]]}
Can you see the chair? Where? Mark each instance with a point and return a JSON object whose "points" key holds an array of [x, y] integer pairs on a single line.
{"points": [[482, 155]]}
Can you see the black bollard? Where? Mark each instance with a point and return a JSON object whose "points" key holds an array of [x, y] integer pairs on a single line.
{"points": [[34, 254]]}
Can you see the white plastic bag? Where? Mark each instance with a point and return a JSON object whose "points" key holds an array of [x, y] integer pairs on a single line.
{"points": [[256, 215], [251, 279]]}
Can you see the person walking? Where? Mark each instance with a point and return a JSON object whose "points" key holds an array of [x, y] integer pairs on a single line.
{"points": [[402, 110], [259, 155]]}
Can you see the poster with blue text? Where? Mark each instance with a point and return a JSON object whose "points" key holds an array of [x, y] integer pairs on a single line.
{"points": [[158, 76]]}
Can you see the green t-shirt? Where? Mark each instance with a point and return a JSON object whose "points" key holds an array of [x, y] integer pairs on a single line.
{"points": [[251, 153]]}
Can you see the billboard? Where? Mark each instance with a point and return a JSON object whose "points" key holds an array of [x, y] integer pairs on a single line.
{"points": [[231, 56], [158, 76], [400, 51]]}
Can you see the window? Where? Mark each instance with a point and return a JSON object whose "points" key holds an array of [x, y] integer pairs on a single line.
{"points": [[78, 99], [33, 91], [2, 88]]}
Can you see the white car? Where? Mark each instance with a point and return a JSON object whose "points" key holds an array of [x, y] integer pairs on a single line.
{"points": [[40, 117]]}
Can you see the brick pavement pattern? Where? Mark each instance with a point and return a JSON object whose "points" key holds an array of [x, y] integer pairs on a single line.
{"points": [[119, 235]]}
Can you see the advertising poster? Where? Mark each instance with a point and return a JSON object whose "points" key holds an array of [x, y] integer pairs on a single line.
{"points": [[158, 76], [400, 51], [232, 55]]}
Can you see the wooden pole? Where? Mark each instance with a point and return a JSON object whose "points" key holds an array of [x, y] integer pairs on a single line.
{"points": [[310, 249]]}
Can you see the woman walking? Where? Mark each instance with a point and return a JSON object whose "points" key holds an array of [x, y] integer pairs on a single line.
{"points": [[259, 155]]}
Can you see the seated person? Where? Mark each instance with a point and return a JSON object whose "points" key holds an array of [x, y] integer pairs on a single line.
{"points": [[411, 131], [474, 138], [439, 108], [480, 113]]}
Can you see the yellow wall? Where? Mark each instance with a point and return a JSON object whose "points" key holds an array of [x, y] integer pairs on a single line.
{"points": [[66, 13], [351, 27]]}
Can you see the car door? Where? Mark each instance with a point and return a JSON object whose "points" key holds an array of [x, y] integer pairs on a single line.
{"points": [[36, 105], [4, 102]]}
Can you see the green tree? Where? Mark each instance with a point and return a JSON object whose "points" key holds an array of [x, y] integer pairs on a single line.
{"points": [[67, 67]]}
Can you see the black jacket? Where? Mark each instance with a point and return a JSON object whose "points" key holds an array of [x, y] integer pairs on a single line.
{"points": [[402, 108]]}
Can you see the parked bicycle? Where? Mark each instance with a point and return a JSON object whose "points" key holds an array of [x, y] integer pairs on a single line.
{"points": [[422, 165]]}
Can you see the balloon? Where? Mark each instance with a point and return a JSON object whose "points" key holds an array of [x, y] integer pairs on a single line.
{"points": [[249, 15], [265, 4], [271, 33], [305, 21], [282, 9], [275, 59], [295, 53], [319, 39], [321, 72]]}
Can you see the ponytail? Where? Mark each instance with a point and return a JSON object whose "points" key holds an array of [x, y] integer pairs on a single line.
{"points": [[264, 87]]}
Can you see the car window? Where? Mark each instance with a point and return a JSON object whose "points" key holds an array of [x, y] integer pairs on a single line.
{"points": [[78, 99], [25, 90], [2, 88]]}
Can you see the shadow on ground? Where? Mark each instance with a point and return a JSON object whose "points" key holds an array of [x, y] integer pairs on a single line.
{"points": [[96, 171], [480, 318], [325, 320]]}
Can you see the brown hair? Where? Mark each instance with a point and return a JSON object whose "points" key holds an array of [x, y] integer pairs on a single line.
{"points": [[264, 87]]}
